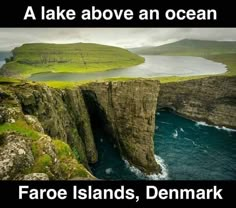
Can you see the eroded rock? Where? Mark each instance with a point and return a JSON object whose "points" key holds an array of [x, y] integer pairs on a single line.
{"points": [[34, 123], [62, 114], [35, 177], [212, 99], [15, 155], [127, 112]]}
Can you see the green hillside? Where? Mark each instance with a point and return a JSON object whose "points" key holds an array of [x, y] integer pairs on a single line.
{"points": [[80, 57], [189, 47]]}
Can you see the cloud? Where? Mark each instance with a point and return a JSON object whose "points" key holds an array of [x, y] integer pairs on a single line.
{"points": [[123, 37]]}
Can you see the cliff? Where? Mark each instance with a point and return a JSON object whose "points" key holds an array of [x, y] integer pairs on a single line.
{"points": [[44, 120], [211, 99], [126, 111], [35, 126], [47, 133], [62, 114]]}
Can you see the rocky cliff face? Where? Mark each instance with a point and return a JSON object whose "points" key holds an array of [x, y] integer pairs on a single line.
{"points": [[63, 115], [127, 112], [26, 152], [212, 99], [37, 121]]}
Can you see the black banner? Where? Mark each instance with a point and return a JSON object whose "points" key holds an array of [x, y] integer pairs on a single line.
{"points": [[119, 192], [116, 14]]}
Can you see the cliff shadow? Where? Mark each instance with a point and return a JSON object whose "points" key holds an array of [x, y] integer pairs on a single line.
{"points": [[108, 153], [167, 109], [99, 121]]}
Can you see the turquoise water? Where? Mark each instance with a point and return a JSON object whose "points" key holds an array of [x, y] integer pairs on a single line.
{"points": [[187, 150]]}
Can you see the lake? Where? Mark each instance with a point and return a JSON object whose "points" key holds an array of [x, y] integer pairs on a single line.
{"points": [[154, 66]]}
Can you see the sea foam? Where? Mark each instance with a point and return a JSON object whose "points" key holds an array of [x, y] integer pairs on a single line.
{"points": [[202, 123], [108, 171], [175, 134], [162, 176]]}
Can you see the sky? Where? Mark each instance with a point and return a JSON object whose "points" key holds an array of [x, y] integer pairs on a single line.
{"points": [[121, 37]]}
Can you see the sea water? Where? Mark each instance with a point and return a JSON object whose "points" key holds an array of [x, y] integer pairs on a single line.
{"points": [[185, 149]]}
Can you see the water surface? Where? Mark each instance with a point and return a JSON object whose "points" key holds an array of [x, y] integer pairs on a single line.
{"points": [[154, 66], [186, 150]]}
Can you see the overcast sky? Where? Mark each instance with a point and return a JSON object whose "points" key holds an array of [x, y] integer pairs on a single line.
{"points": [[122, 37]]}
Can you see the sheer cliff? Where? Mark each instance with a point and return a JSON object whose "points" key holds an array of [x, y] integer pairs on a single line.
{"points": [[61, 114], [47, 133], [211, 99], [127, 112]]}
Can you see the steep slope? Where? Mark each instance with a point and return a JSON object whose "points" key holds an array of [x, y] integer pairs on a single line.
{"points": [[212, 99], [26, 152], [62, 114], [42, 115], [126, 111], [37, 122]]}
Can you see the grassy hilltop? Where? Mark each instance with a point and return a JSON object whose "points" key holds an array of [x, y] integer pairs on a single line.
{"points": [[99, 58], [80, 57]]}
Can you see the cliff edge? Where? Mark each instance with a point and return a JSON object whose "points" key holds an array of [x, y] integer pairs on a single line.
{"points": [[126, 111], [44, 121], [211, 99]]}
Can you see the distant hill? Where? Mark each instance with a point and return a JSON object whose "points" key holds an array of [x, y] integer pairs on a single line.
{"points": [[189, 48], [79, 57]]}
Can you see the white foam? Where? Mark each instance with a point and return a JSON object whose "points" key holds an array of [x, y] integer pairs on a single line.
{"points": [[228, 129], [161, 176], [101, 140], [164, 122], [175, 134], [202, 123], [181, 129], [108, 171], [193, 142]]}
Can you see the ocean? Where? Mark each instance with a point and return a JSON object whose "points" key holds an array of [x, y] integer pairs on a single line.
{"points": [[185, 149]]}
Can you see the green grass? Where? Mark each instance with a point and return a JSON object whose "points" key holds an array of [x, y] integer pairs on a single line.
{"points": [[6, 80], [223, 52], [78, 58], [64, 84], [20, 127], [62, 149], [42, 164], [68, 164], [228, 59], [178, 79]]}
